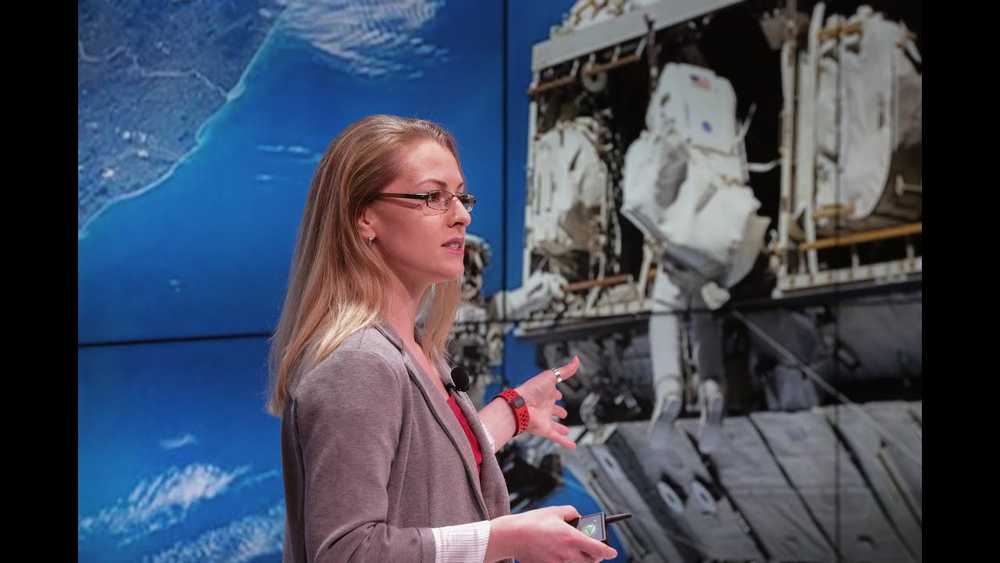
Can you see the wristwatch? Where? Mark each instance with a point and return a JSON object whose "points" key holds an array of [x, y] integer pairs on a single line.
{"points": [[520, 408]]}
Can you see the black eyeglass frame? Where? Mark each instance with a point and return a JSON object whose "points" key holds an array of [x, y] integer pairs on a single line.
{"points": [[468, 200]]}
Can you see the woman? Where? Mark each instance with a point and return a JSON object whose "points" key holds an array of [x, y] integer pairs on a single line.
{"points": [[383, 458]]}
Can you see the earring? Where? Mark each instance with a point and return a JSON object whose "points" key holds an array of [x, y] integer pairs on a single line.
{"points": [[371, 241]]}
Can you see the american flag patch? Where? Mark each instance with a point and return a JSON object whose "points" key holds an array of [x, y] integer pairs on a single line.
{"points": [[700, 82]]}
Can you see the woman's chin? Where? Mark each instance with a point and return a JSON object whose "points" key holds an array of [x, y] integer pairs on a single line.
{"points": [[450, 277]]}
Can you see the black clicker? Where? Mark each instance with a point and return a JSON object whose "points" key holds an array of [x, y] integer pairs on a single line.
{"points": [[596, 525]]}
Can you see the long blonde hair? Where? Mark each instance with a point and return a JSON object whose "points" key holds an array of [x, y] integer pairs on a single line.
{"points": [[337, 283]]}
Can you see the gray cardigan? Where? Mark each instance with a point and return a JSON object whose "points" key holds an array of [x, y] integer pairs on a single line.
{"points": [[373, 458]]}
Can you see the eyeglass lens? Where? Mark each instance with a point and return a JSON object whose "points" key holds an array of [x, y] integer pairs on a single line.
{"points": [[441, 199]]}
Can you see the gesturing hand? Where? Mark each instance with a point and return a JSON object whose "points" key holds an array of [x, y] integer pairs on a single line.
{"points": [[540, 395]]}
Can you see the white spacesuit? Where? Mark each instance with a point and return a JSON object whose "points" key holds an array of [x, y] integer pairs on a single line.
{"points": [[684, 186]]}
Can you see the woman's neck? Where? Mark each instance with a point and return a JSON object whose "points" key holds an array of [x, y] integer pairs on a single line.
{"points": [[402, 315]]}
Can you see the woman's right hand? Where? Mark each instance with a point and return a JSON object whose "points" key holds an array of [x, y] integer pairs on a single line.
{"points": [[544, 536]]}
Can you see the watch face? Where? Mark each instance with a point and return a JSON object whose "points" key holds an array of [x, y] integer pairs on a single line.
{"points": [[518, 402]]}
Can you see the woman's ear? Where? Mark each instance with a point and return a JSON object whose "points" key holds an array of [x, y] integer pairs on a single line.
{"points": [[366, 223]]}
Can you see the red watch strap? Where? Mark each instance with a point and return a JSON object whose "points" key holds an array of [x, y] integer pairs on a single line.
{"points": [[520, 408]]}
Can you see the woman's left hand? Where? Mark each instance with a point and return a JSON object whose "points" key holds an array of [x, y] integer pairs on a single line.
{"points": [[540, 394]]}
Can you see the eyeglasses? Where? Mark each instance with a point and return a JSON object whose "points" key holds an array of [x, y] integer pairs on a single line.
{"points": [[438, 199]]}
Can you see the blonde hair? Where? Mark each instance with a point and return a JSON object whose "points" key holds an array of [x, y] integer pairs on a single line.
{"points": [[337, 283]]}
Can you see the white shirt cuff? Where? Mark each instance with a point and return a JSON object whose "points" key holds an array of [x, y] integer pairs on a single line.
{"points": [[463, 543]]}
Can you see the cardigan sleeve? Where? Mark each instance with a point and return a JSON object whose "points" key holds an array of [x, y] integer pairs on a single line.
{"points": [[347, 416]]}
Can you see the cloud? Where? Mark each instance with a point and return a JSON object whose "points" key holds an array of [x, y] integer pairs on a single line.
{"points": [[158, 503], [242, 540], [375, 38], [180, 442], [256, 479]]}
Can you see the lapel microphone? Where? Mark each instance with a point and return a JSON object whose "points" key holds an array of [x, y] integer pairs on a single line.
{"points": [[461, 378]]}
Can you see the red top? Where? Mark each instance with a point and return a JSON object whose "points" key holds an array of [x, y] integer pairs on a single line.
{"points": [[468, 432]]}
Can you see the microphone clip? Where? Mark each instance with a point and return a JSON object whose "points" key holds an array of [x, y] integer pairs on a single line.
{"points": [[460, 376]]}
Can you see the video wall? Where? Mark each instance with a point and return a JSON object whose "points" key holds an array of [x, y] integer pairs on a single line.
{"points": [[721, 218]]}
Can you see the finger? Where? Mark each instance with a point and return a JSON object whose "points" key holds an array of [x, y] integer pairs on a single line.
{"points": [[594, 548], [548, 377], [559, 412], [569, 369], [560, 428], [567, 512], [564, 442], [559, 395]]}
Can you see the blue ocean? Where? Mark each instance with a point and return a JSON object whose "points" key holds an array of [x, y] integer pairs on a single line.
{"points": [[206, 251]]}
